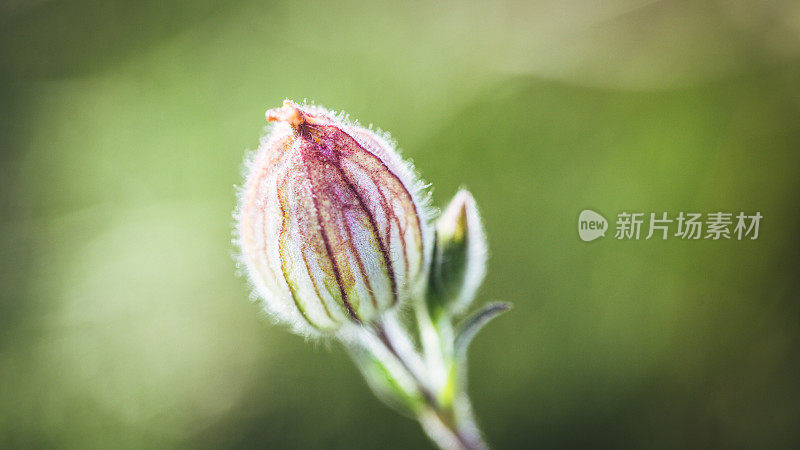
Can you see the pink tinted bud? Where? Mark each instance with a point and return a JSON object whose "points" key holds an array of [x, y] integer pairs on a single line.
{"points": [[331, 223]]}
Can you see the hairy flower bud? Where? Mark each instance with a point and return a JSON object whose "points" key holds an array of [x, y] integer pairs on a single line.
{"points": [[459, 257], [331, 223]]}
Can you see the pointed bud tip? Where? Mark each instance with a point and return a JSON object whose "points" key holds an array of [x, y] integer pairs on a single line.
{"points": [[455, 215], [289, 113]]}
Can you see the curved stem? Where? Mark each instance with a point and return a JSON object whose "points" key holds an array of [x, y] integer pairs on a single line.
{"points": [[450, 426], [383, 337], [448, 433]]}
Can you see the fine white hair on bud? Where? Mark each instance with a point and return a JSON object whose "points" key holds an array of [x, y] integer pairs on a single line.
{"points": [[460, 253], [332, 224]]}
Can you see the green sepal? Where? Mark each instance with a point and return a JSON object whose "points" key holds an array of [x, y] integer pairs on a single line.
{"points": [[458, 263], [448, 271], [385, 385]]}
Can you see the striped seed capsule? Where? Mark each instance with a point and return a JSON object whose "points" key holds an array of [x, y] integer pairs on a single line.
{"points": [[331, 222]]}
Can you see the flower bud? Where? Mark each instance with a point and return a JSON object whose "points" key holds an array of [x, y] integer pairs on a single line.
{"points": [[331, 225], [459, 256]]}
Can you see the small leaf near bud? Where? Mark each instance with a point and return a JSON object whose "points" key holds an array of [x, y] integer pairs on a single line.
{"points": [[459, 256], [470, 327]]}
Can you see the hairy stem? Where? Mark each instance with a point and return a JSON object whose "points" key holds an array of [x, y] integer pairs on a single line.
{"points": [[449, 424], [442, 428], [383, 337]]}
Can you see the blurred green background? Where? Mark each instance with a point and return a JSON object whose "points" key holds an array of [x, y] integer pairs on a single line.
{"points": [[123, 126]]}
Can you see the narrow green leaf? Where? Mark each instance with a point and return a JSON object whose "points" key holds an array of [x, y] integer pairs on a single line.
{"points": [[470, 327]]}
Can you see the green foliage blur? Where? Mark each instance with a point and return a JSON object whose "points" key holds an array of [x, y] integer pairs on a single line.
{"points": [[123, 126]]}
